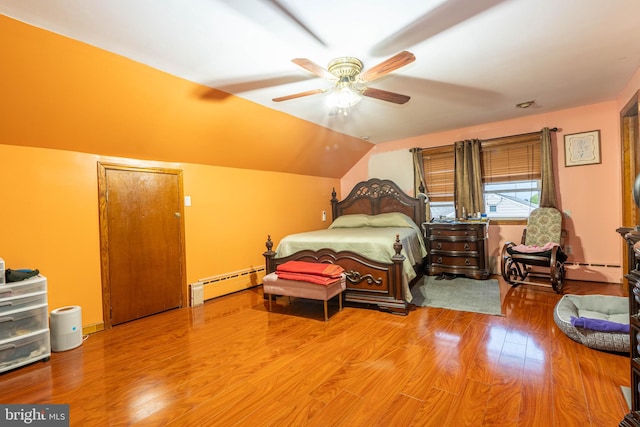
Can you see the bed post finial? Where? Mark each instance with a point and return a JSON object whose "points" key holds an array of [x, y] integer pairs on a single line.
{"points": [[269, 255], [334, 204], [397, 246]]}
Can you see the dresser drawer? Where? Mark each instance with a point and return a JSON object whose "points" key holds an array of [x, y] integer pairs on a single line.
{"points": [[20, 351], [436, 233], [21, 302], [455, 261], [462, 247], [24, 287], [22, 322]]}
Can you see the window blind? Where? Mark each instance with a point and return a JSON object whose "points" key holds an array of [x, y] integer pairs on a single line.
{"points": [[511, 159], [505, 159], [439, 173]]}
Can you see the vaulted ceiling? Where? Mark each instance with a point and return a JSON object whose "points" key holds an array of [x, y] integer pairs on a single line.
{"points": [[475, 59]]}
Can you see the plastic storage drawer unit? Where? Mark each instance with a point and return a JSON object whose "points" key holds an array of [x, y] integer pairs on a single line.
{"points": [[27, 301], [23, 287], [24, 323], [20, 351]]}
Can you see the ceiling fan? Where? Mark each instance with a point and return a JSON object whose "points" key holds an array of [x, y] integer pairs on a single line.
{"points": [[350, 82]]}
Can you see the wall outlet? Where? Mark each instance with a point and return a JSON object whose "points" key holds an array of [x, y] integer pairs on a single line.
{"points": [[567, 213], [324, 215]]}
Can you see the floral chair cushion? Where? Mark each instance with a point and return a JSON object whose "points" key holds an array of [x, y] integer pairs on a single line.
{"points": [[544, 226]]}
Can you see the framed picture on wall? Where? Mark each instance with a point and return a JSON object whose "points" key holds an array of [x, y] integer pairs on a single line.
{"points": [[582, 148]]}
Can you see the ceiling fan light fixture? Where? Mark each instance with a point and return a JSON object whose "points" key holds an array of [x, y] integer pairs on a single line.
{"points": [[345, 94], [345, 66], [350, 85], [346, 97]]}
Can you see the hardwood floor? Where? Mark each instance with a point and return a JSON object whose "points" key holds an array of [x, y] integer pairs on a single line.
{"points": [[231, 362]]}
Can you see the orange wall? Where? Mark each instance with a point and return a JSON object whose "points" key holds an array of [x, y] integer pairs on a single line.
{"points": [[50, 218], [66, 105], [592, 193], [61, 93]]}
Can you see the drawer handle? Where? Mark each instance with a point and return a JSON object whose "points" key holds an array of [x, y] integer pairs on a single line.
{"points": [[439, 260], [6, 319], [466, 247], [438, 245], [6, 303], [9, 346], [466, 232], [467, 262]]}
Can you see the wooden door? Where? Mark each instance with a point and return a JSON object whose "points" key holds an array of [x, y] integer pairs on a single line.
{"points": [[142, 241], [630, 142]]}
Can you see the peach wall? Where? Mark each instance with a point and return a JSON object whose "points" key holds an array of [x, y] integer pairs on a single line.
{"points": [[50, 218], [591, 193]]}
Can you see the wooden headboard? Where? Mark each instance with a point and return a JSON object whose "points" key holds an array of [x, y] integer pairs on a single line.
{"points": [[377, 196]]}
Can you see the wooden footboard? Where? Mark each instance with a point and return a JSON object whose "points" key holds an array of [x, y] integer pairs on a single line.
{"points": [[368, 281]]}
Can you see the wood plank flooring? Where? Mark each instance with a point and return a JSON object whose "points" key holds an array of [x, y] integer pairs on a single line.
{"points": [[231, 362]]}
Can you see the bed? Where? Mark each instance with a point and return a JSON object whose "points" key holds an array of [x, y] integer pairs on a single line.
{"points": [[375, 236]]}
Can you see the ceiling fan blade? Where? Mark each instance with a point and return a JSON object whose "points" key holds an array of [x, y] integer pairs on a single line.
{"points": [[297, 21], [276, 18], [298, 95], [399, 60], [309, 65], [447, 15], [384, 95]]}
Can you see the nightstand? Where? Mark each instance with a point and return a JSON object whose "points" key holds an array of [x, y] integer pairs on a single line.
{"points": [[457, 247]]}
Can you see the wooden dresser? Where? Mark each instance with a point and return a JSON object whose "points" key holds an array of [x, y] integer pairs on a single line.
{"points": [[457, 247]]}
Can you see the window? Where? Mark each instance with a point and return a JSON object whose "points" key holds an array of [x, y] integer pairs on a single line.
{"points": [[439, 178], [514, 199], [510, 175]]}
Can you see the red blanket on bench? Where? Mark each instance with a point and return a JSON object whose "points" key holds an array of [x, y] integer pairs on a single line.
{"points": [[313, 272]]}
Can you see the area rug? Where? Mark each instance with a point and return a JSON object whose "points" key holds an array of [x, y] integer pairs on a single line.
{"points": [[460, 293], [626, 392]]}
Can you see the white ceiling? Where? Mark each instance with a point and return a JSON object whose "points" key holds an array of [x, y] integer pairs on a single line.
{"points": [[476, 59]]}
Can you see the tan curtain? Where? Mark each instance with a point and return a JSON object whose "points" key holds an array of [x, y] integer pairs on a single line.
{"points": [[419, 184], [548, 181], [468, 194]]}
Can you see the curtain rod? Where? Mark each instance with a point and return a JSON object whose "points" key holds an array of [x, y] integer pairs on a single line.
{"points": [[554, 129], [521, 134]]}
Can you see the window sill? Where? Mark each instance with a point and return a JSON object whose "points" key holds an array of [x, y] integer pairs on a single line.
{"points": [[508, 221]]}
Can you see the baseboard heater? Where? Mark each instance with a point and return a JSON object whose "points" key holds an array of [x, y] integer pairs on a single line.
{"points": [[222, 284], [585, 264]]}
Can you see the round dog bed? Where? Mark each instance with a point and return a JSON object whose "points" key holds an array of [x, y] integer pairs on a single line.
{"points": [[601, 308]]}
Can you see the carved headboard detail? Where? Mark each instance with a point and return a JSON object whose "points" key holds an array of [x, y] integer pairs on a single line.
{"points": [[377, 196]]}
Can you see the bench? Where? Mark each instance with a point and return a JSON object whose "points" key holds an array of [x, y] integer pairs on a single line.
{"points": [[273, 285]]}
